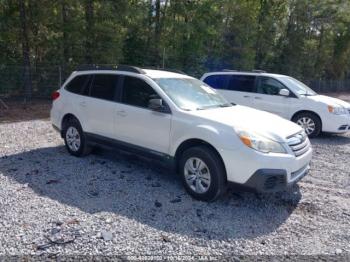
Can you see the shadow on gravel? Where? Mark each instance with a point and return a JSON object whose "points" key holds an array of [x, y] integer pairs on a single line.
{"points": [[144, 192]]}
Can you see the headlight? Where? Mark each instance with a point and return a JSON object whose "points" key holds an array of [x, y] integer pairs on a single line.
{"points": [[260, 143], [337, 110]]}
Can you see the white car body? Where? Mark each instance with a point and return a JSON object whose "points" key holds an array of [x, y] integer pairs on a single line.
{"points": [[162, 134], [289, 106]]}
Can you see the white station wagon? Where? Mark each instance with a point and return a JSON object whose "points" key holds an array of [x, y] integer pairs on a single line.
{"points": [[177, 119], [284, 96]]}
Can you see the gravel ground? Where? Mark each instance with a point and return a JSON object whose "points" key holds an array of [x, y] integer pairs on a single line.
{"points": [[111, 203]]}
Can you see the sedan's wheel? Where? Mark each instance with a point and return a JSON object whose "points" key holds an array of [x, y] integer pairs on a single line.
{"points": [[74, 138], [203, 173], [310, 122]]}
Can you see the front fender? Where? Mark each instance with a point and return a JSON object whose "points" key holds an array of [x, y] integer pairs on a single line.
{"points": [[219, 138]]}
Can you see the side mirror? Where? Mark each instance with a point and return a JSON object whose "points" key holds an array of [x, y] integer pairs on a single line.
{"points": [[155, 104], [284, 92]]}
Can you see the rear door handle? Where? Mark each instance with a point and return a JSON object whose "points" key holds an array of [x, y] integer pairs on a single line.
{"points": [[82, 104], [259, 98], [121, 113], [246, 96]]}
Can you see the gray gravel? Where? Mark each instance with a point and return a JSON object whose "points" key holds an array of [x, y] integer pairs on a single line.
{"points": [[116, 204]]}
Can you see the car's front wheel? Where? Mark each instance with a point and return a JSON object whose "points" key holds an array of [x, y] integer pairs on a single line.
{"points": [[74, 138], [310, 122], [203, 173]]}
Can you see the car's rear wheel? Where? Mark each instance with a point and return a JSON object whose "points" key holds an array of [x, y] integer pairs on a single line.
{"points": [[203, 173], [74, 138], [310, 122]]}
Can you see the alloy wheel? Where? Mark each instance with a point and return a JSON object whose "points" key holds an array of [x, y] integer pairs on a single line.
{"points": [[307, 124], [197, 175], [73, 139]]}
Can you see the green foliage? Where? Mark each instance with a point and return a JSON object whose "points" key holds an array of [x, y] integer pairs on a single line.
{"points": [[309, 39]]}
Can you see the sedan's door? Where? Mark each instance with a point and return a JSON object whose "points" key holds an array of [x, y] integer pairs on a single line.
{"points": [[267, 97], [135, 123], [100, 104]]}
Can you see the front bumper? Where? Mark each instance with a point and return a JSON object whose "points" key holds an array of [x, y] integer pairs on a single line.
{"points": [[274, 180], [336, 123], [265, 172]]}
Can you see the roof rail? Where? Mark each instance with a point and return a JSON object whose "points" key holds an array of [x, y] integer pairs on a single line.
{"points": [[229, 70], [132, 69], [125, 68]]}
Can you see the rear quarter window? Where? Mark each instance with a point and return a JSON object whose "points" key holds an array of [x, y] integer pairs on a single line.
{"points": [[78, 84], [216, 81]]}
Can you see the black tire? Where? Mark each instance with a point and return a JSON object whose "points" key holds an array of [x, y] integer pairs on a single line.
{"points": [[316, 120], [216, 168], [83, 149]]}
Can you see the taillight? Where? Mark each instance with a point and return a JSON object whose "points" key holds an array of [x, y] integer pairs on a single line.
{"points": [[55, 95]]}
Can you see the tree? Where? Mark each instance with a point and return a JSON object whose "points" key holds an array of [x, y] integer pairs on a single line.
{"points": [[89, 31], [25, 50]]}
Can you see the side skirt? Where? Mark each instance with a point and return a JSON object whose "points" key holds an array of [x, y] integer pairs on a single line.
{"points": [[161, 158]]}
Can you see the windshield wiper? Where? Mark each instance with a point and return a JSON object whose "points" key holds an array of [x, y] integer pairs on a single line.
{"points": [[227, 105], [207, 107], [307, 94], [214, 106]]}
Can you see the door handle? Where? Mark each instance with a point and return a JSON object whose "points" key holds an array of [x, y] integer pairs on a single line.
{"points": [[121, 113], [246, 96], [258, 98], [82, 104]]}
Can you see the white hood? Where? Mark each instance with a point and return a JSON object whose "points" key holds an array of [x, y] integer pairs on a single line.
{"points": [[329, 101], [260, 122]]}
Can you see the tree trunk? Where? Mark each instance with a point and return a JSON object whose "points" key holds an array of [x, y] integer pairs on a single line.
{"points": [[157, 33], [89, 19], [25, 52], [260, 53], [65, 47]]}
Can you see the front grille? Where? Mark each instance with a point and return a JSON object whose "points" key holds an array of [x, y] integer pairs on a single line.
{"points": [[299, 144]]}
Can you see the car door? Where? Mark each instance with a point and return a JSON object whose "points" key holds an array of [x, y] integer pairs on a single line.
{"points": [[135, 123], [100, 104], [236, 89], [267, 97], [240, 89]]}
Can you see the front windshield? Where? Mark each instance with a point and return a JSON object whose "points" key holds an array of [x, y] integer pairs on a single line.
{"points": [[191, 94], [299, 87]]}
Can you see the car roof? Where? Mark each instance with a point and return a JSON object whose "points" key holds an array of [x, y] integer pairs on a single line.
{"points": [[164, 74], [152, 73], [243, 73]]}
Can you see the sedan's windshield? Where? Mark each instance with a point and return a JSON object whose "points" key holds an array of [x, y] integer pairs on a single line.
{"points": [[191, 94], [299, 87]]}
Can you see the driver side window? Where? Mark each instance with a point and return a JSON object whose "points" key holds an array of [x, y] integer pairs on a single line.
{"points": [[137, 92], [269, 86]]}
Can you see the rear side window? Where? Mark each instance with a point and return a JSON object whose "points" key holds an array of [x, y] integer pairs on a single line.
{"points": [[78, 84], [242, 83], [137, 92], [104, 86], [216, 81]]}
